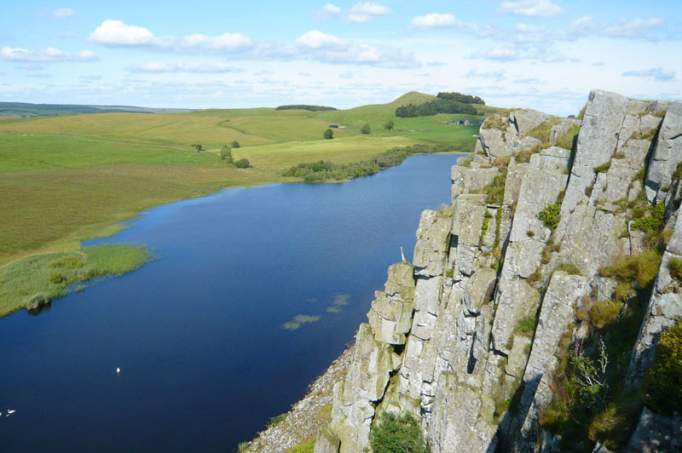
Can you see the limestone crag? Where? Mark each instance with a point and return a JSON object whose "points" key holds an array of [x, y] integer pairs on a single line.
{"points": [[508, 286]]}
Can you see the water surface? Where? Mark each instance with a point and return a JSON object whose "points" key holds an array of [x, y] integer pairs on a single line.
{"points": [[198, 332]]}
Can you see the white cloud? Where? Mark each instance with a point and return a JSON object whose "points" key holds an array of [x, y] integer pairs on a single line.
{"points": [[118, 33], [499, 54], [196, 67], [325, 48], [531, 8], [448, 20], [61, 13], [364, 11], [530, 33], [497, 76], [315, 39], [658, 74], [633, 28], [435, 20], [49, 55], [582, 25], [331, 9], [226, 41]]}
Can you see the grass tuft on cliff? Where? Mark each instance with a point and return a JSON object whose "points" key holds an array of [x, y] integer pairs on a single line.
{"points": [[397, 433], [38, 279], [663, 382]]}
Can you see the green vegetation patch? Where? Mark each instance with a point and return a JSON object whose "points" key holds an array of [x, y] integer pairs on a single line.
{"points": [[444, 103], [675, 268], [38, 279], [604, 313], [650, 219], [663, 382], [569, 268], [590, 400], [324, 170], [543, 131], [307, 446], [397, 433], [640, 269], [551, 215], [567, 140], [299, 321], [495, 190], [526, 326], [310, 108], [340, 301]]}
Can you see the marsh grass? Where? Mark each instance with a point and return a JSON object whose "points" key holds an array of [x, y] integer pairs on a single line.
{"points": [[40, 278]]}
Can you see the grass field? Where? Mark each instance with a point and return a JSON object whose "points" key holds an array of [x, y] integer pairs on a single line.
{"points": [[67, 178]]}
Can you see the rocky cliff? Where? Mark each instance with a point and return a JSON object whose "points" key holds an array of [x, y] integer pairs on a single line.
{"points": [[530, 316], [532, 308]]}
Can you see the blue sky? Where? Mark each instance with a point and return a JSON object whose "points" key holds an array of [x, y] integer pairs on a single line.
{"points": [[545, 54]]}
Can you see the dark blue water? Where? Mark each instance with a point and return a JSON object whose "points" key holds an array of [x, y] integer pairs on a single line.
{"points": [[198, 332]]}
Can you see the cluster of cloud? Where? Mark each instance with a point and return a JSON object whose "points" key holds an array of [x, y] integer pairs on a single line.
{"points": [[311, 45], [531, 8], [319, 46], [449, 20], [658, 74], [193, 67], [117, 33], [49, 55], [359, 12]]}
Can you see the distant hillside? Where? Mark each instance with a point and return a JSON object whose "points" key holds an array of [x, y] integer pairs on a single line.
{"points": [[310, 108], [27, 110]]}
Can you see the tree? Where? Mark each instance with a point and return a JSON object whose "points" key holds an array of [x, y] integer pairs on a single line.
{"points": [[242, 163], [198, 147], [389, 125], [226, 154], [235, 144], [366, 129], [328, 134]]}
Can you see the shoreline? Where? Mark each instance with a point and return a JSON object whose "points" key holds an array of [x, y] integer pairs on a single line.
{"points": [[299, 426], [74, 245]]}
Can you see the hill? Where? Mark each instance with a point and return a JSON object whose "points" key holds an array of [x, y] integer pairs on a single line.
{"points": [[24, 109]]}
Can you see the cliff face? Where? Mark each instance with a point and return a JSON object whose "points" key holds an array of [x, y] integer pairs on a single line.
{"points": [[540, 288]]}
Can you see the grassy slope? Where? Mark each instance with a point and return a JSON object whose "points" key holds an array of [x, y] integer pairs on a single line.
{"points": [[66, 178]]}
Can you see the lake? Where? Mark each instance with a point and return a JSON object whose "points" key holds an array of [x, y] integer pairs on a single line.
{"points": [[206, 334]]}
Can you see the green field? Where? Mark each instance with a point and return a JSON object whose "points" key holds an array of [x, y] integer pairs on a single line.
{"points": [[71, 177]]}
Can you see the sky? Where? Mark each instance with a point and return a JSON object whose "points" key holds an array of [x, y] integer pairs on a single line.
{"points": [[543, 54]]}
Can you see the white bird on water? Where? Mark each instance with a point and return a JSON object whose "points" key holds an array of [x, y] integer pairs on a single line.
{"points": [[118, 370], [10, 412]]}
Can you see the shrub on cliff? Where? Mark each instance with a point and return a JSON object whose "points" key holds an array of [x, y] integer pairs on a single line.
{"points": [[663, 382], [641, 268], [551, 215], [397, 434]]}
